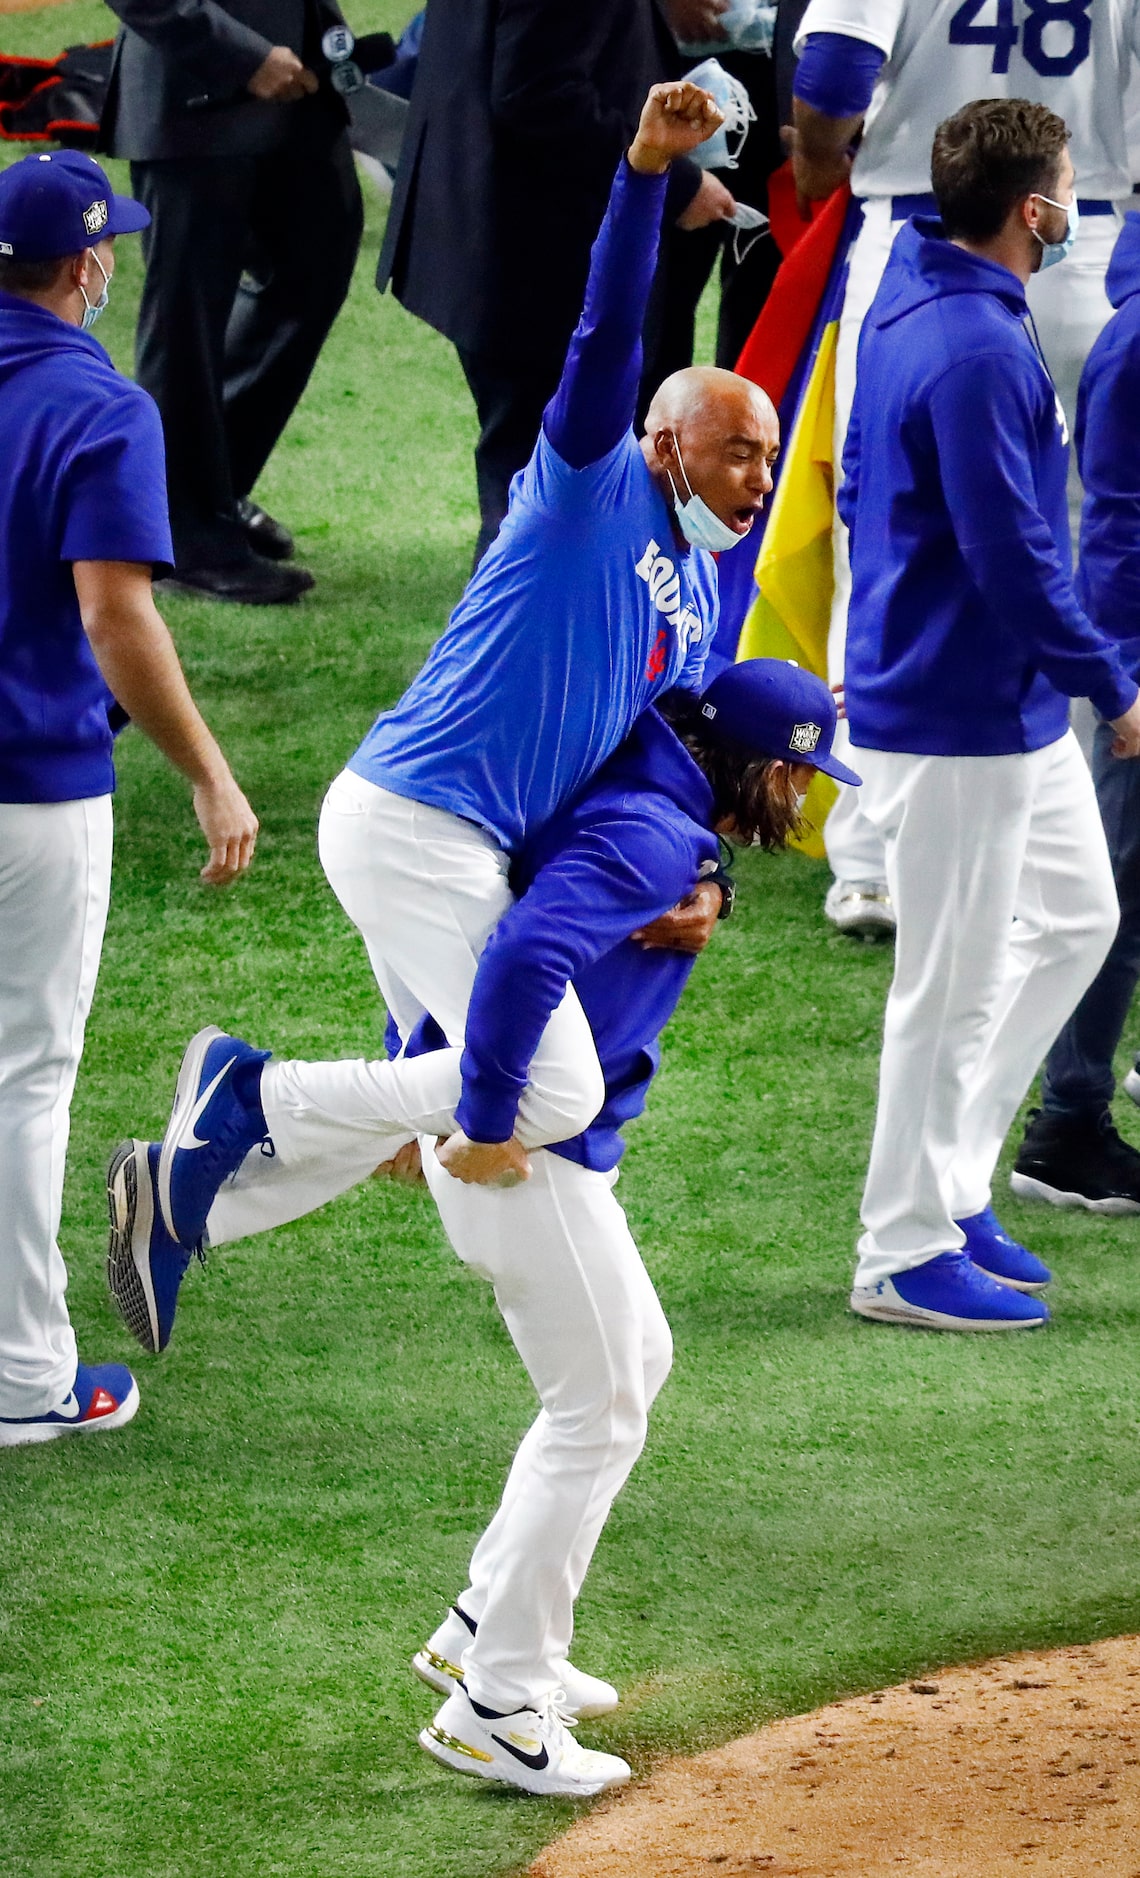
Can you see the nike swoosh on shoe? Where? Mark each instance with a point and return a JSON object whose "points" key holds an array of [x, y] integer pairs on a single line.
{"points": [[186, 1141], [537, 1762]]}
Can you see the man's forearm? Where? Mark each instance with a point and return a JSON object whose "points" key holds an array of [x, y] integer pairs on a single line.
{"points": [[136, 655]]}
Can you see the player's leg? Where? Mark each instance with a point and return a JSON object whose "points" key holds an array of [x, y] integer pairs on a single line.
{"points": [[855, 902], [1066, 917], [954, 830], [584, 1317], [55, 877], [426, 890]]}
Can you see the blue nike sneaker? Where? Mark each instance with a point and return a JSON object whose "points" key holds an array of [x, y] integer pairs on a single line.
{"points": [[103, 1395], [992, 1250], [145, 1266], [948, 1292], [216, 1119]]}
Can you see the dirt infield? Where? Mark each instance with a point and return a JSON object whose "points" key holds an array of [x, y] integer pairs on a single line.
{"points": [[1028, 1764]]}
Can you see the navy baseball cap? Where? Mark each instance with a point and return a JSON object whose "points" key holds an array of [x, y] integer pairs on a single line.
{"points": [[771, 707], [60, 204]]}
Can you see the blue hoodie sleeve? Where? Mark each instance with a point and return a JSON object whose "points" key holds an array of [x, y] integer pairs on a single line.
{"points": [[1108, 449], [617, 874], [596, 400], [988, 442]]}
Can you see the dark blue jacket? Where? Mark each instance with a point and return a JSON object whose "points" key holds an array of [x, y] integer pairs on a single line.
{"points": [[965, 637], [1108, 450], [635, 842]]}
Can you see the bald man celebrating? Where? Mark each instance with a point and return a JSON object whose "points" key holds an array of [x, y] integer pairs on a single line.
{"points": [[599, 593]]}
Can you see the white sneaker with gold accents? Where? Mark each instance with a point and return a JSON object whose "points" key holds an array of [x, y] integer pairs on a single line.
{"points": [[532, 1748]]}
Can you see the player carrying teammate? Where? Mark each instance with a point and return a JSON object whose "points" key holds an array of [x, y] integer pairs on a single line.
{"points": [[568, 1279]]}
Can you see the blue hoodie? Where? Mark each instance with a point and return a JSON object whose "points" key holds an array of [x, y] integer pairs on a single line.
{"points": [[965, 637], [631, 846], [1108, 450], [82, 478]]}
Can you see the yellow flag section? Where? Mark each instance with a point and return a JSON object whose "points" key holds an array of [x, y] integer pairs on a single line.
{"points": [[790, 615]]}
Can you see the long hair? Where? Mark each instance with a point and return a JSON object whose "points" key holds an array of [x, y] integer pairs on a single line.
{"points": [[758, 795]]}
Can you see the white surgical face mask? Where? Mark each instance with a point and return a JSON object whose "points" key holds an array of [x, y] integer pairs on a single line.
{"points": [[93, 309], [748, 26], [700, 527], [1054, 251], [722, 150], [749, 225]]}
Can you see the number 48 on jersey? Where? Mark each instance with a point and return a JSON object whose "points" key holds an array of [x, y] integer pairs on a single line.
{"points": [[1055, 38]]}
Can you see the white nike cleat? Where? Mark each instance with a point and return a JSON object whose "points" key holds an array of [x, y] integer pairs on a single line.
{"points": [[438, 1664], [531, 1748], [861, 908]]}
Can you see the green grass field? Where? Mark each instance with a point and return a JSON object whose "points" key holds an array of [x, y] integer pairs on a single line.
{"points": [[206, 1621]]}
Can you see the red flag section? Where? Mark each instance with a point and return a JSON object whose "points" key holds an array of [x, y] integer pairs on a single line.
{"points": [[776, 343]]}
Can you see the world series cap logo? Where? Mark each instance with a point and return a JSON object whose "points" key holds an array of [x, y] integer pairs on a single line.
{"points": [[95, 217], [804, 738]]}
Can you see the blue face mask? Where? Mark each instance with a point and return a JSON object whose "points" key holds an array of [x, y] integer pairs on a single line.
{"points": [[94, 309], [700, 527], [1054, 251]]}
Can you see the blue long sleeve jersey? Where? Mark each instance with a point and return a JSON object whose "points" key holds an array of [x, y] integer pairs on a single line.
{"points": [[1108, 450], [633, 844], [583, 609], [965, 636]]}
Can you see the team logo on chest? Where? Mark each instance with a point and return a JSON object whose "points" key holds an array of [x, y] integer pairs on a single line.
{"points": [[804, 738], [664, 583]]}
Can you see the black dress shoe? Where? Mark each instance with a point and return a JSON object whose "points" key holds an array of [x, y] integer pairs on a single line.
{"points": [[249, 583], [265, 536]]}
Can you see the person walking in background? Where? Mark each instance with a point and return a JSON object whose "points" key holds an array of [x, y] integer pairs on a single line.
{"points": [[965, 644], [1072, 1155], [520, 111], [239, 149], [82, 523], [874, 80]]}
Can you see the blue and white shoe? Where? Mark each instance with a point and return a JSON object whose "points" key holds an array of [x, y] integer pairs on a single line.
{"points": [[216, 1119], [992, 1250], [145, 1266], [948, 1292], [104, 1395]]}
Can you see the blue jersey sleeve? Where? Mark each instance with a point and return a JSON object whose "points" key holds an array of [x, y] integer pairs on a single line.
{"points": [[836, 74], [596, 400], [1005, 540], [617, 874], [114, 486]]}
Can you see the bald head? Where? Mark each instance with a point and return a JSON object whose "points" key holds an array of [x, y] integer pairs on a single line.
{"points": [[715, 434], [706, 395]]}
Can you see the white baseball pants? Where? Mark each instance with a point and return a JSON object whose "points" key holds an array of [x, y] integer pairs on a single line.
{"points": [[426, 890], [55, 883], [586, 1321], [1000, 875], [1069, 307]]}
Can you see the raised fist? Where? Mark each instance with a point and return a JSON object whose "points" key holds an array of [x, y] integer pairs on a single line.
{"points": [[674, 120]]}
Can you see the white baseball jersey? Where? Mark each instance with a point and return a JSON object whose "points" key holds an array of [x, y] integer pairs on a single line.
{"points": [[1073, 55]]}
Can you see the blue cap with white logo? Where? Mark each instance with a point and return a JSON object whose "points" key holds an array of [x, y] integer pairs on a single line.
{"points": [[60, 204], [770, 707]]}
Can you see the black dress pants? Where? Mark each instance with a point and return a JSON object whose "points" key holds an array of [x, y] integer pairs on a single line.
{"points": [[248, 261], [509, 401]]}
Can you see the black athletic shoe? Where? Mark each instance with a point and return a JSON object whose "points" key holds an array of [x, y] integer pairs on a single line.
{"points": [[250, 583], [265, 535], [1077, 1161]]}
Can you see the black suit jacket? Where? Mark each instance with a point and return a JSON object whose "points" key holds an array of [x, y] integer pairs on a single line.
{"points": [[181, 68], [520, 111]]}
